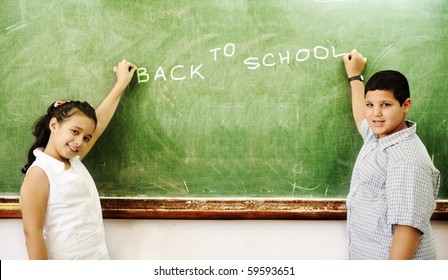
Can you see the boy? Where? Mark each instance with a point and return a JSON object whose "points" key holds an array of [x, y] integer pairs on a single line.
{"points": [[394, 182]]}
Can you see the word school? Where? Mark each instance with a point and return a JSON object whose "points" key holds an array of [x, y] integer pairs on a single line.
{"points": [[182, 72]]}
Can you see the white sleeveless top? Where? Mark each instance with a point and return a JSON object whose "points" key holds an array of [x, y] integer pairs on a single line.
{"points": [[73, 227]]}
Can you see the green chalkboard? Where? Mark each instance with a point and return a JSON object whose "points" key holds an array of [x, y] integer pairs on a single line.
{"points": [[232, 98]]}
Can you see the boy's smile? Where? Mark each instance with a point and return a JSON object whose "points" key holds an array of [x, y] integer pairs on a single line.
{"points": [[384, 113]]}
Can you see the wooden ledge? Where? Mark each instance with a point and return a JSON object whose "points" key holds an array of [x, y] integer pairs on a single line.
{"points": [[205, 208]]}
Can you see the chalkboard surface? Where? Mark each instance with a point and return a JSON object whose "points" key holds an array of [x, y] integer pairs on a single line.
{"points": [[232, 98]]}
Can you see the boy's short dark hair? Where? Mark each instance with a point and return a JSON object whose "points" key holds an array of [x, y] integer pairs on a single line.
{"points": [[389, 80]]}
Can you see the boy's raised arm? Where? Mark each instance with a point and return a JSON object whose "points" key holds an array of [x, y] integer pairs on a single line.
{"points": [[354, 65]]}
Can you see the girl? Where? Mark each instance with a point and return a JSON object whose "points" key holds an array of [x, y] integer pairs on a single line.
{"points": [[60, 205]]}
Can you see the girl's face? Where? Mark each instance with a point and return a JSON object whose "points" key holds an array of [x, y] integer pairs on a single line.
{"points": [[384, 113], [69, 137]]}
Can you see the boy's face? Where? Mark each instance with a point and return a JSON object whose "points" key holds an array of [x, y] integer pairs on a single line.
{"points": [[384, 113]]}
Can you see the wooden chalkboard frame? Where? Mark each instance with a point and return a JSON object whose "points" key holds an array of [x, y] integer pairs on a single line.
{"points": [[205, 208], [160, 39]]}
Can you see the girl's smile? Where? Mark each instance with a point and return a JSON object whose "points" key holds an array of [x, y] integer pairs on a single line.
{"points": [[69, 137]]}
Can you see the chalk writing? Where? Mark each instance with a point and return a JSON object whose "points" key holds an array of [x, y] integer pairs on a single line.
{"points": [[226, 51], [269, 59], [177, 73], [301, 55]]}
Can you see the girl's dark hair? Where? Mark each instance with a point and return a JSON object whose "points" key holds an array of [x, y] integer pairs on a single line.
{"points": [[389, 80], [61, 111]]}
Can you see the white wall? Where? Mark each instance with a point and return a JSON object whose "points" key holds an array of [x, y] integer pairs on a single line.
{"points": [[216, 239]]}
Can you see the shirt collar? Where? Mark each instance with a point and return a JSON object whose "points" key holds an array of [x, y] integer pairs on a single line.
{"points": [[399, 136], [57, 165]]}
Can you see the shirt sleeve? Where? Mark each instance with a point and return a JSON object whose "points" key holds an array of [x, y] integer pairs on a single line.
{"points": [[410, 196], [365, 131]]}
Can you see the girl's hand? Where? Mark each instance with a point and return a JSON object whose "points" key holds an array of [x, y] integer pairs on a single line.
{"points": [[124, 71], [354, 63]]}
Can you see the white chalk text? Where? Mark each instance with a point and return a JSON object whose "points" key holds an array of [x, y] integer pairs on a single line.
{"points": [[269, 59]]}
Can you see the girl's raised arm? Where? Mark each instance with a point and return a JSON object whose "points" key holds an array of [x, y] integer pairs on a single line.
{"points": [[104, 113]]}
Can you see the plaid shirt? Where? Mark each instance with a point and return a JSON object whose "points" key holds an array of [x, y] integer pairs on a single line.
{"points": [[394, 182]]}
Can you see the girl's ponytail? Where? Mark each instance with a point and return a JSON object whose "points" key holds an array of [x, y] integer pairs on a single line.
{"points": [[42, 133]]}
